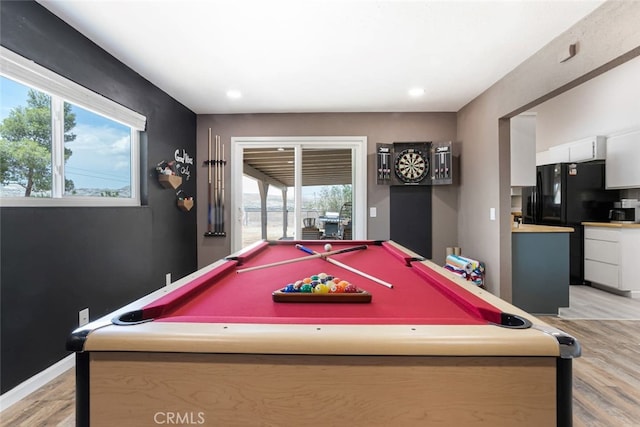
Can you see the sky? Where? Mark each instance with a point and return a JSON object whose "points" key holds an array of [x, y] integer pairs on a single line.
{"points": [[101, 151]]}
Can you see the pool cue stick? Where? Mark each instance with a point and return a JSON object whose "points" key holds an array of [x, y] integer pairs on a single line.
{"points": [[346, 267], [218, 185], [223, 162], [305, 258], [334, 252], [215, 187], [209, 231], [217, 179]]}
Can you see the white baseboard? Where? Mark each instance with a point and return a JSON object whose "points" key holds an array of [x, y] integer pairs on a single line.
{"points": [[24, 389]]}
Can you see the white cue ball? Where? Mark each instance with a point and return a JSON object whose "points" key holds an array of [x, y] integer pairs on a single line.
{"points": [[327, 247]]}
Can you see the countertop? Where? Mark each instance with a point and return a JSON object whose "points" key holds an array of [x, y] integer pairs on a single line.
{"points": [[611, 224], [532, 228]]}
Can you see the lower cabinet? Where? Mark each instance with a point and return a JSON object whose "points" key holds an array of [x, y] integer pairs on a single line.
{"points": [[609, 257], [540, 271]]}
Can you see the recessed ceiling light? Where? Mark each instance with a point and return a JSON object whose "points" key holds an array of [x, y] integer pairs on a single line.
{"points": [[234, 94], [280, 148], [416, 92]]}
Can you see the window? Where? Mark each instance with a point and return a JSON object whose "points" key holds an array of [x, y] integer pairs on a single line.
{"points": [[61, 144]]}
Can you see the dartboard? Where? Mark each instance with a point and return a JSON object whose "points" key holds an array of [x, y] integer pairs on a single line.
{"points": [[411, 166]]}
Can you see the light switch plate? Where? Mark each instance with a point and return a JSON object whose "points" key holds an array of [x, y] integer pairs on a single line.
{"points": [[83, 317]]}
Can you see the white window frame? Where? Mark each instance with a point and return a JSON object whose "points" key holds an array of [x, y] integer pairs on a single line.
{"points": [[27, 72]]}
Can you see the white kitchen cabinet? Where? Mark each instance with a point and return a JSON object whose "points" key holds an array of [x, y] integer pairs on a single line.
{"points": [[559, 154], [523, 151], [584, 150], [543, 158], [588, 149], [622, 164], [610, 257], [629, 251]]}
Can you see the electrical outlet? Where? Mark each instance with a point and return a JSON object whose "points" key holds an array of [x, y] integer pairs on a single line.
{"points": [[492, 214], [83, 317]]}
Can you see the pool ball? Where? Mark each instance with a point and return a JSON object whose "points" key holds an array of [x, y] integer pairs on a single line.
{"points": [[337, 288], [306, 288], [350, 289], [327, 247], [321, 289]]}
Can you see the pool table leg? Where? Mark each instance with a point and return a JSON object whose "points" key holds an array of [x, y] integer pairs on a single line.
{"points": [[82, 389], [564, 387]]}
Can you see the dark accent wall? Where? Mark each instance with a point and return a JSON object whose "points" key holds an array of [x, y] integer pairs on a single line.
{"points": [[410, 214], [57, 261]]}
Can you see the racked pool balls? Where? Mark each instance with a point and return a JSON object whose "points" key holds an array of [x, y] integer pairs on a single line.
{"points": [[321, 283]]}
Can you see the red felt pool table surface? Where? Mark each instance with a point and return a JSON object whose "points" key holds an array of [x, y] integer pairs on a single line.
{"points": [[419, 295]]}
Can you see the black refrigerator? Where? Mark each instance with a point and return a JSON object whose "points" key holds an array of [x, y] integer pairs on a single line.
{"points": [[567, 194]]}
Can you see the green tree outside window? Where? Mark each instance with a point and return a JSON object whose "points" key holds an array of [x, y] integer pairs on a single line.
{"points": [[25, 144]]}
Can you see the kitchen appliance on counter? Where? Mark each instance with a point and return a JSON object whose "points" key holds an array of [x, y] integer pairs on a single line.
{"points": [[567, 194], [626, 211]]}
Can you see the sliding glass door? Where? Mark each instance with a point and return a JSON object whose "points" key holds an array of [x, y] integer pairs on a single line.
{"points": [[298, 188]]}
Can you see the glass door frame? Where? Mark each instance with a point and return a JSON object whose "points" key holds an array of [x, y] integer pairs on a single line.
{"points": [[358, 147]]}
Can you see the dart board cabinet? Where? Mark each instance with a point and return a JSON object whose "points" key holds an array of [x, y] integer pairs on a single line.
{"points": [[414, 163]]}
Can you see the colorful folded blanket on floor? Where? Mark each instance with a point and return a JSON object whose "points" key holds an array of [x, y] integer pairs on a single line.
{"points": [[466, 268]]}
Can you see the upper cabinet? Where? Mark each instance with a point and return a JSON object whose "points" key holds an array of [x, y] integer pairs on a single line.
{"points": [[523, 151], [584, 150], [588, 149], [623, 158]]}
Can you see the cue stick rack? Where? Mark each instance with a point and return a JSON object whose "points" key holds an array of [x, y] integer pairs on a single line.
{"points": [[215, 188]]}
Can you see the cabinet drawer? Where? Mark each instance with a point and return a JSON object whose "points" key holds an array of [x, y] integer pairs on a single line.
{"points": [[600, 272], [600, 250], [602, 233]]}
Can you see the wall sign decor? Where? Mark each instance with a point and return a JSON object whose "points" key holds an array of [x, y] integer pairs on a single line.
{"points": [[185, 203], [183, 163], [167, 175]]}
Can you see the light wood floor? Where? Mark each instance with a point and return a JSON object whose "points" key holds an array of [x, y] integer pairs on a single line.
{"points": [[606, 378], [591, 303]]}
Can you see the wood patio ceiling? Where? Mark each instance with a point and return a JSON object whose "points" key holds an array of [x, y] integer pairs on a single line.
{"points": [[319, 166]]}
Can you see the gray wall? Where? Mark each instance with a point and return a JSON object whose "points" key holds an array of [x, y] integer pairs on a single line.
{"points": [[377, 127], [606, 38]]}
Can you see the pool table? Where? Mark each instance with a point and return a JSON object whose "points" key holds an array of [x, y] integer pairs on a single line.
{"points": [[215, 348]]}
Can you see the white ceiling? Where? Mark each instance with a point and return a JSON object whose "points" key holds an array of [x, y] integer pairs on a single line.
{"points": [[321, 55]]}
